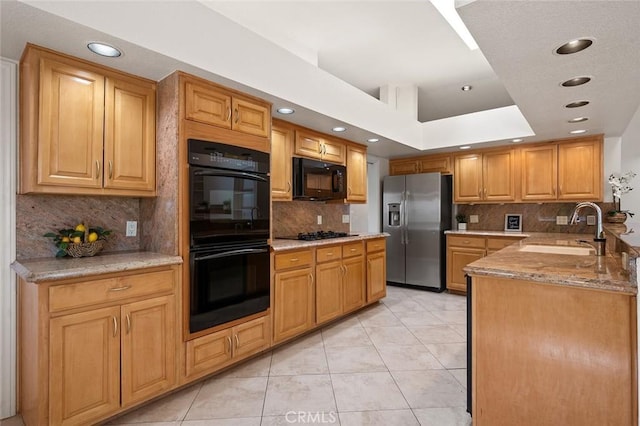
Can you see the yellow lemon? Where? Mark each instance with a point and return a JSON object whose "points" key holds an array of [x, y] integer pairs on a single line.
{"points": [[93, 237], [80, 227], [77, 240], [65, 239]]}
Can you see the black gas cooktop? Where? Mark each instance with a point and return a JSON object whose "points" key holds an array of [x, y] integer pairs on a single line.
{"points": [[318, 235]]}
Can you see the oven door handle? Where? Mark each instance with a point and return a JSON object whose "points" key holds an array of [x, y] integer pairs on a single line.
{"points": [[228, 173], [231, 253]]}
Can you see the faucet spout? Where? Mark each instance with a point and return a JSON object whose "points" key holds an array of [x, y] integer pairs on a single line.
{"points": [[599, 238]]}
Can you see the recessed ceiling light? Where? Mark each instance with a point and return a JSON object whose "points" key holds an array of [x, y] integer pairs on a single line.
{"points": [[339, 129], [574, 46], [466, 88], [578, 120], [104, 49], [285, 110], [516, 140], [577, 132], [576, 104], [373, 140], [465, 147], [576, 81]]}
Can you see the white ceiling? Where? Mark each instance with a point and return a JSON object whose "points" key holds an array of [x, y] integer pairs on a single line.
{"points": [[368, 44]]}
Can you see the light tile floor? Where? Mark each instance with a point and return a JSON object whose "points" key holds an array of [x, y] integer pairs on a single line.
{"points": [[399, 362]]}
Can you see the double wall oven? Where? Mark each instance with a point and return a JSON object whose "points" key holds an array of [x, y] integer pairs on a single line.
{"points": [[229, 202]]}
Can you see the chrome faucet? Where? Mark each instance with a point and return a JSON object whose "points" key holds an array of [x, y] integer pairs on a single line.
{"points": [[599, 238]]}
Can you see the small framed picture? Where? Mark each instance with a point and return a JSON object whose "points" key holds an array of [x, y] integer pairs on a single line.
{"points": [[513, 222]]}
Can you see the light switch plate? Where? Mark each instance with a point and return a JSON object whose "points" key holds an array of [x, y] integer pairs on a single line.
{"points": [[319, 220], [591, 219], [562, 220], [132, 228], [473, 218], [345, 218]]}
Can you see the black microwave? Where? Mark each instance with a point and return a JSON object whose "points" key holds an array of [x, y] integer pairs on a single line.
{"points": [[318, 180]]}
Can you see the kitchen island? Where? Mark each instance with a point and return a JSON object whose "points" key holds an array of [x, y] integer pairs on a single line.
{"points": [[553, 335]]}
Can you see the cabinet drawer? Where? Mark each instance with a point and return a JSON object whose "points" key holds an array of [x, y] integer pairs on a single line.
{"points": [[500, 243], [68, 296], [293, 259], [352, 249], [325, 254], [376, 245], [456, 240]]}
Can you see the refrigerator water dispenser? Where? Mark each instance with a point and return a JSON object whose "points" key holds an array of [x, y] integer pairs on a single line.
{"points": [[394, 214]]}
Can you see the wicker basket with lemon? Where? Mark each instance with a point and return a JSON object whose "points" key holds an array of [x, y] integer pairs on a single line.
{"points": [[80, 241]]}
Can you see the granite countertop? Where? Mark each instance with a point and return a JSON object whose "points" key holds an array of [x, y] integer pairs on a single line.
{"points": [[489, 233], [629, 233], [284, 244], [52, 268], [602, 273]]}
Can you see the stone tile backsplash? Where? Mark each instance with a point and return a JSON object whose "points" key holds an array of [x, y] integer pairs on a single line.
{"points": [[291, 218], [38, 214], [535, 217]]}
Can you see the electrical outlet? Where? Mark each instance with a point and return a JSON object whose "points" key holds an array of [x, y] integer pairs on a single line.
{"points": [[319, 220], [473, 218], [591, 219], [562, 220], [132, 228], [345, 218]]}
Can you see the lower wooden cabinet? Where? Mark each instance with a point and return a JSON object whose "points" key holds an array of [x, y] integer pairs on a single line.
{"points": [[83, 364], [209, 353], [376, 270]]}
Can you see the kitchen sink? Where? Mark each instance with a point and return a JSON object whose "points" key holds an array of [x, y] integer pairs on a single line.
{"points": [[572, 250]]}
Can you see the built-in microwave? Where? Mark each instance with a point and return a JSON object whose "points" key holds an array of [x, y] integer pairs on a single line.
{"points": [[318, 180]]}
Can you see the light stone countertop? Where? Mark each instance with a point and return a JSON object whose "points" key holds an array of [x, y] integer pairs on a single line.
{"points": [[284, 244], [53, 269], [490, 233], [595, 272]]}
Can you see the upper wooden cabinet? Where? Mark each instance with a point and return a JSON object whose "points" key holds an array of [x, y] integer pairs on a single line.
{"points": [[561, 171], [85, 129], [356, 173], [316, 145], [426, 164], [211, 104], [281, 157], [488, 176]]}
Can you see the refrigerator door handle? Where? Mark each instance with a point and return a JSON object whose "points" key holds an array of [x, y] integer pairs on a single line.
{"points": [[405, 219], [403, 223]]}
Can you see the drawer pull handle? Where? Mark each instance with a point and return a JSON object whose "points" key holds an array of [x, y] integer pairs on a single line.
{"points": [[229, 341], [288, 187], [237, 114], [466, 241], [128, 323], [115, 326], [97, 169], [310, 279], [237, 341], [228, 114], [295, 259], [330, 254], [124, 287], [110, 169], [352, 249]]}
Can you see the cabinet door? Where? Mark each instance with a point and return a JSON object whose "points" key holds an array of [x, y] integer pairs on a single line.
{"points": [[293, 303], [333, 151], [580, 171], [376, 276], [435, 164], [467, 178], [207, 105], [356, 174], [252, 118], [148, 348], [458, 258], [70, 132], [251, 337], [329, 278], [84, 366], [281, 147], [353, 285], [208, 353], [539, 172], [308, 145], [130, 136], [498, 176], [403, 167]]}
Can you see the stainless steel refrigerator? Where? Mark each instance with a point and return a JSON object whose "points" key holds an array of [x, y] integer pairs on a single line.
{"points": [[416, 212]]}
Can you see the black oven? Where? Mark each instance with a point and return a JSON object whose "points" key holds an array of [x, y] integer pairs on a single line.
{"points": [[229, 211]]}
